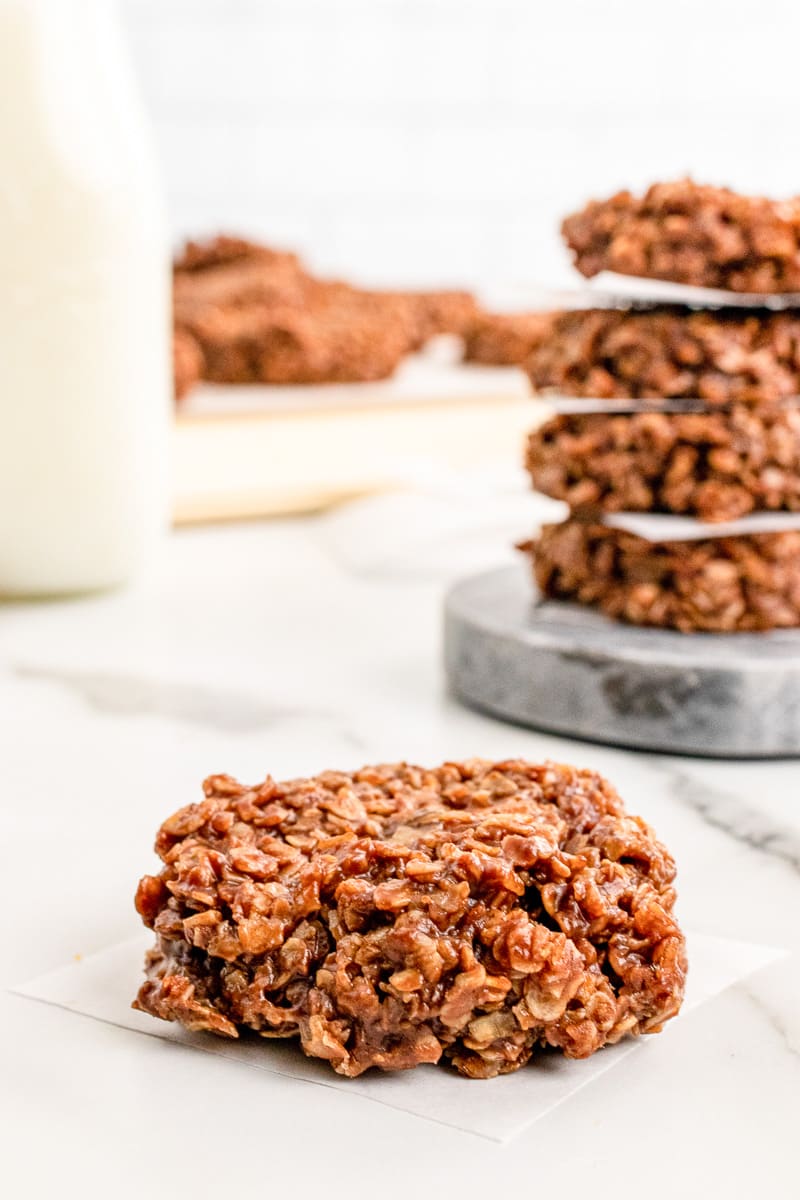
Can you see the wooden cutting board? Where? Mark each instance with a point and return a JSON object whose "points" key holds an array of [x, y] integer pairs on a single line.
{"points": [[254, 451]]}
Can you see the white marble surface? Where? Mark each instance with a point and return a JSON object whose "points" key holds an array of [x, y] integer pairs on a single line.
{"points": [[287, 647]]}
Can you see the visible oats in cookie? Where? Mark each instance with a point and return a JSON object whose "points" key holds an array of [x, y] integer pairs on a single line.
{"points": [[693, 234], [473, 914], [717, 466], [721, 357], [714, 585]]}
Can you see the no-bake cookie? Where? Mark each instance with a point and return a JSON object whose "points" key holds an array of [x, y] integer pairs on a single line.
{"points": [[258, 315], [692, 234], [282, 345], [471, 914], [716, 466], [720, 357]]}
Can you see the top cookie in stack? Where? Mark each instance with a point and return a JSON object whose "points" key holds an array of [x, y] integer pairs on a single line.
{"points": [[692, 234], [723, 438]]}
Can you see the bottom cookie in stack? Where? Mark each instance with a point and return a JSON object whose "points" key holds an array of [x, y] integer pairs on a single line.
{"points": [[715, 585]]}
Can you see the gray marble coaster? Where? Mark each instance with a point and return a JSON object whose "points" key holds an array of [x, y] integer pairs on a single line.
{"points": [[566, 669]]}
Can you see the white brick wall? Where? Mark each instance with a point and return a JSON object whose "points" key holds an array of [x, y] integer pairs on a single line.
{"points": [[440, 141]]}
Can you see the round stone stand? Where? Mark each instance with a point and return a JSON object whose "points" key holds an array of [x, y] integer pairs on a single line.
{"points": [[570, 670]]}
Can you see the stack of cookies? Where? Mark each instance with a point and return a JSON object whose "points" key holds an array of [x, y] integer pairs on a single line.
{"points": [[688, 408]]}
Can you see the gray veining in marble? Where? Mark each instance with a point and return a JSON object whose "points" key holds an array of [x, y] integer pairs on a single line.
{"points": [[786, 1032], [744, 822], [128, 695], [570, 670]]}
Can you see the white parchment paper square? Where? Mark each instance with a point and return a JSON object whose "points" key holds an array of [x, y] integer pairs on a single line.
{"points": [[615, 290], [102, 986], [665, 527]]}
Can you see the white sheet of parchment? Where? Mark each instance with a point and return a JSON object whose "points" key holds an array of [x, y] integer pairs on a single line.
{"points": [[102, 986]]}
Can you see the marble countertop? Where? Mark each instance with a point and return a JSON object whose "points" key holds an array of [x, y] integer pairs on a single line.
{"points": [[286, 647]]}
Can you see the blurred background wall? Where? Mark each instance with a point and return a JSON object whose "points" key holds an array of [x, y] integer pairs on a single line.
{"points": [[440, 141]]}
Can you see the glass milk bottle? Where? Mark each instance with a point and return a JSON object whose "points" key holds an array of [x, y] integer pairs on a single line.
{"points": [[84, 306]]}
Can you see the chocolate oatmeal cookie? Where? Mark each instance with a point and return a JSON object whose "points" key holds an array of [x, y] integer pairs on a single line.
{"points": [[282, 345], [717, 466], [720, 357], [471, 914], [258, 315], [693, 234], [718, 585]]}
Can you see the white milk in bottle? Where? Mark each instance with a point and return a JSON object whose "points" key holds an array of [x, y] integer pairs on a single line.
{"points": [[84, 303]]}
